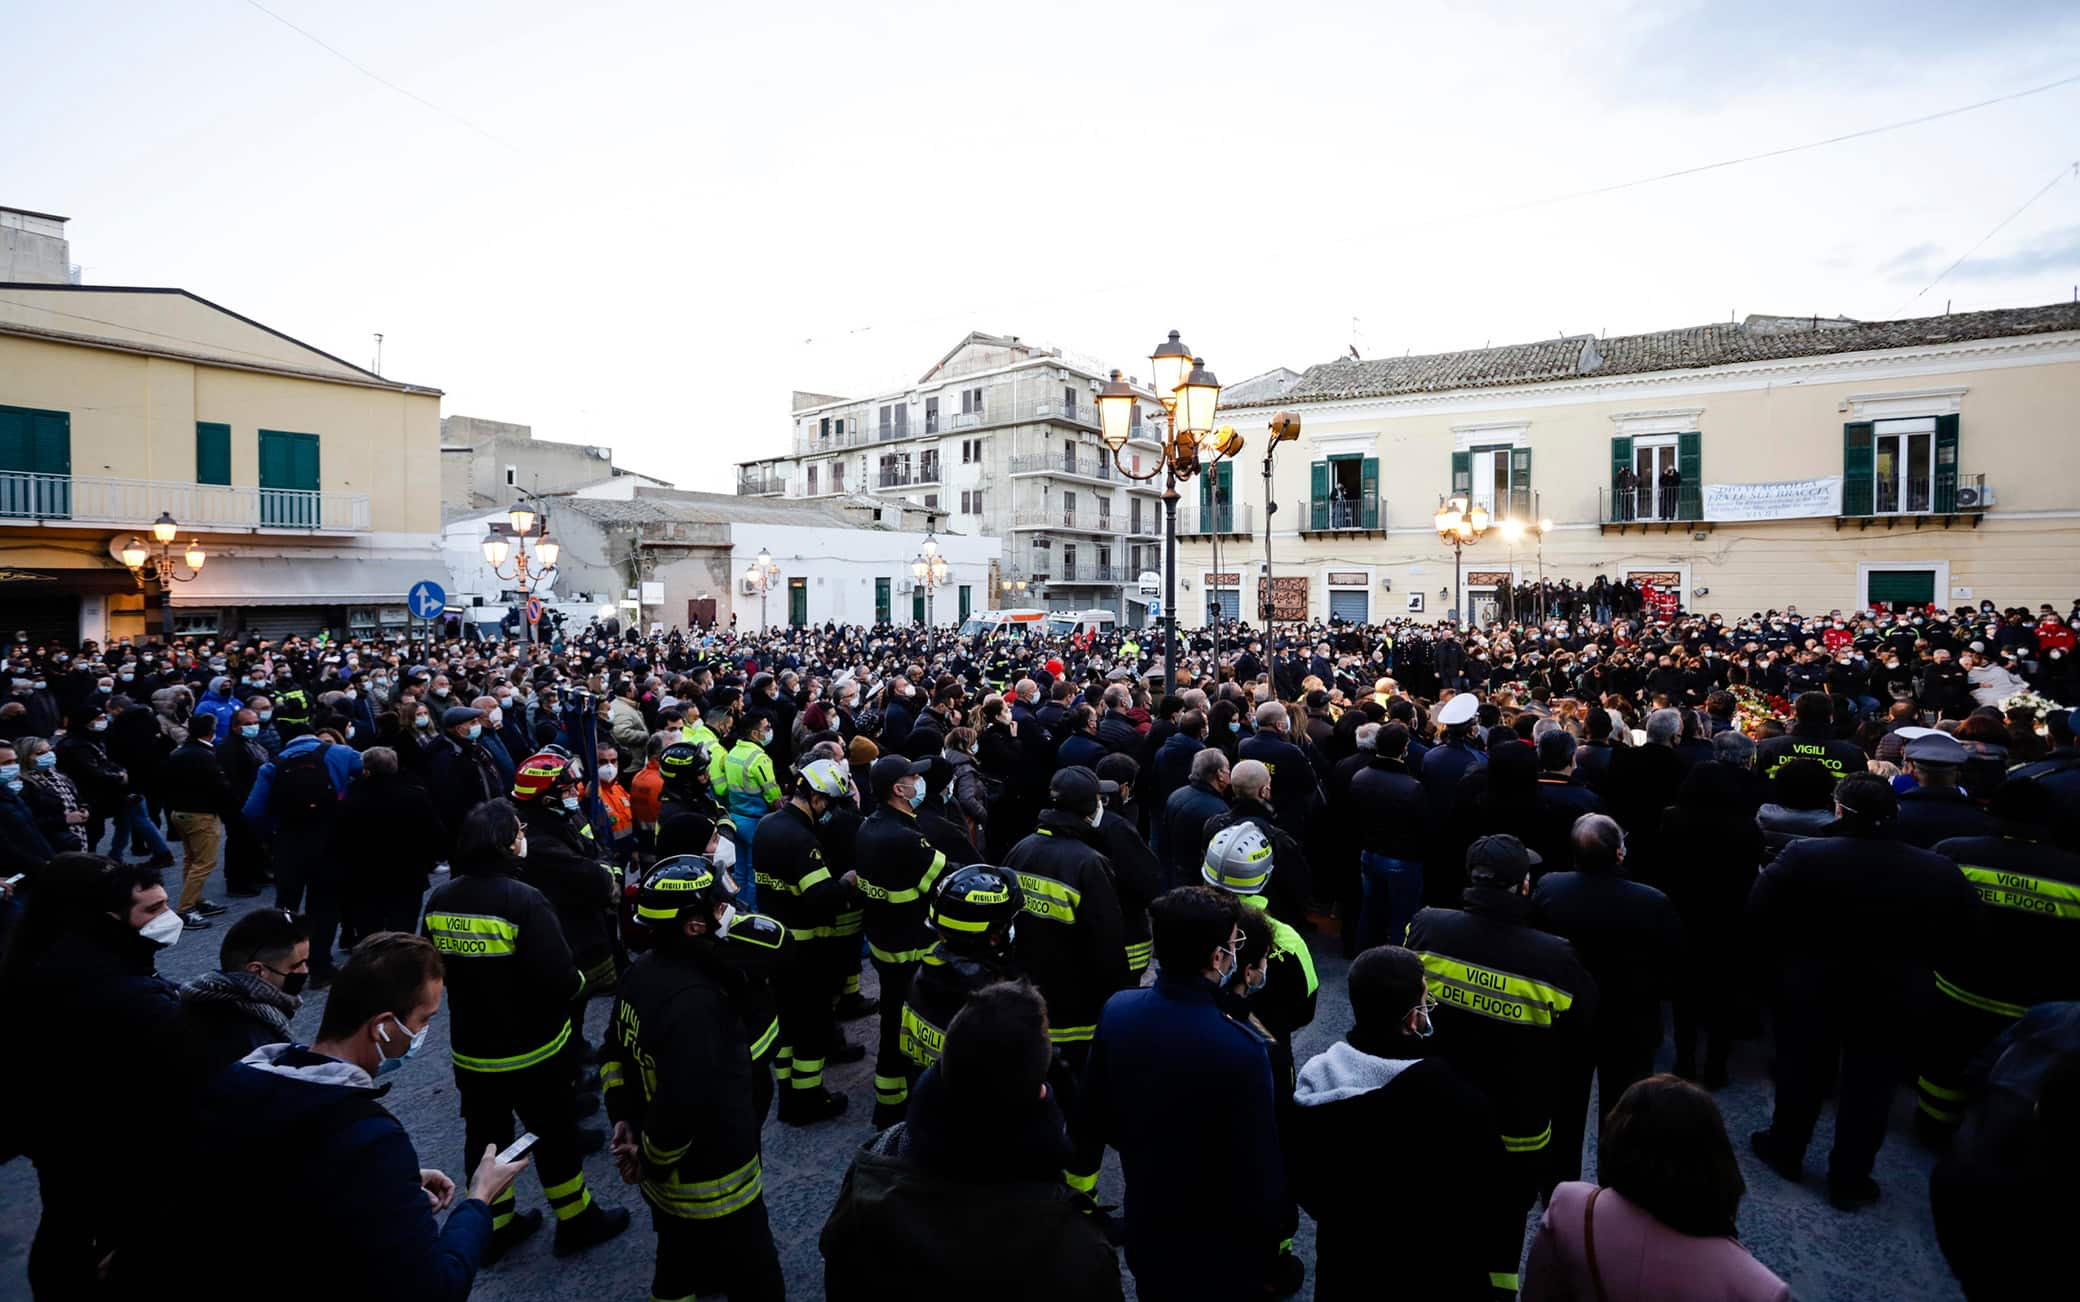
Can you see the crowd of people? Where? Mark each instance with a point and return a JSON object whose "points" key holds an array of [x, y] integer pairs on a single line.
{"points": [[1092, 890]]}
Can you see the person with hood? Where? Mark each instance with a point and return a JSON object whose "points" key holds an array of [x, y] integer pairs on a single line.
{"points": [[80, 980], [511, 987], [217, 704], [965, 1193], [1073, 943], [294, 805], [310, 1119], [1380, 1100], [247, 1002]]}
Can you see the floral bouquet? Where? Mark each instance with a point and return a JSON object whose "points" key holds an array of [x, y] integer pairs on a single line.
{"points": [[1751, 709], [2038, 706]]}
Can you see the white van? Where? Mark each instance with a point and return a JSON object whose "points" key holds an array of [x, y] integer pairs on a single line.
{"points": [[1078, 623], [989, 625]]}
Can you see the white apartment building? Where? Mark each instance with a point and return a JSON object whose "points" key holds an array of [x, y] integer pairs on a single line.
{"points": [[1000, 438]]}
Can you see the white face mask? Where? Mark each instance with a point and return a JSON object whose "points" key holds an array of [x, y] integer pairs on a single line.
{"points": [[520, 850], [729, 915], [164, 930], [1098, 815], [495, 718], [725, 854], [607, 772]]}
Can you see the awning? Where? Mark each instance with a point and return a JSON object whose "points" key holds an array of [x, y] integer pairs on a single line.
{"points": [[304, 581]]}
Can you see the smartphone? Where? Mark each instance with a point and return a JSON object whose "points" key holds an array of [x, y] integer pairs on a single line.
{"points": [[519, 1148], [16, 880]]}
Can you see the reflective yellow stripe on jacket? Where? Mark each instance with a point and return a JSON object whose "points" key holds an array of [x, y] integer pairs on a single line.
{"points": [[2046, 896], [1503, 996], [1997, 1007], [472, 935], [518, 1061], [1050, 899], [875, 891]]}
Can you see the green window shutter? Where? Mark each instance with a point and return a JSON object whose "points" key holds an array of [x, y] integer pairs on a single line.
{"points": [[966, 599], [1690, 465], [1368, 492], [1462, 474], [35, 443], [1858, 451], [1206, 503], [1946, 465], [212, 452], [1520, 483], [289, 464], [881, 602], [917, 605], [1318, 496], [1621, 461]]}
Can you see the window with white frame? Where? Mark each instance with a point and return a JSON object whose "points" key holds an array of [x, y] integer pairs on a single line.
{"points": [[1903, 465]]}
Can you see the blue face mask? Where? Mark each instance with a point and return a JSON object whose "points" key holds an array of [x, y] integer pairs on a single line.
{"points": [[249, 730], [265, 715], [47, 760], [917, 797], [10, 772], [570, 802], [476, 730], [388, 1065], [1234, 725]]}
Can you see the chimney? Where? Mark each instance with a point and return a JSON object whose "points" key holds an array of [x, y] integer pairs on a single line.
{"points": [[34, 250]]}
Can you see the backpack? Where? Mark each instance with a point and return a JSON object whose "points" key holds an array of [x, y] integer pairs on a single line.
{"points": [[303, 789]]}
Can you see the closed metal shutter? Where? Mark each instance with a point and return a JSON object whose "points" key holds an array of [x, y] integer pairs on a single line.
{"points": [[1230, 603], [45, 616], [1354, 606], [277, 622]]}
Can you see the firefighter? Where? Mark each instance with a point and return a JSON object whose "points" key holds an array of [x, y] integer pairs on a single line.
{"points": [[806, 900], [1239, 860], [511, 983], [1514, 1005], [1073, 944], [684, 1095], [2019, 952], [686, 789], [566, 863], [974, 915], [897, 869], [749, 790]]}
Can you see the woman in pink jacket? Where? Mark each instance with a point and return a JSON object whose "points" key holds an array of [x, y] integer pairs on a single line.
{"points": [[1661, 1225]]}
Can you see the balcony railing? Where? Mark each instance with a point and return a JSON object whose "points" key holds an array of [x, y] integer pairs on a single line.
{"points": [[759, 483], [1086, 572], [1074, 413], [78, 499], [1343, 514], [1650, 504], [1914, 495], [1063, 463], [1063, 518], [904, 476], [1234, 518]]}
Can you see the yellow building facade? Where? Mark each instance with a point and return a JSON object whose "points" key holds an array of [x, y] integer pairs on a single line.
{"points": [[312, 484], [1827, 464]]}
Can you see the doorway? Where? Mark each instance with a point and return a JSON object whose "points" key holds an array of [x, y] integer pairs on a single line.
{"points": [[700, 612], [798, 602]]}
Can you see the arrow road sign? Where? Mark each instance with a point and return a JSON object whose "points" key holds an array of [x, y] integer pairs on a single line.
{"points": [[427, 599]]}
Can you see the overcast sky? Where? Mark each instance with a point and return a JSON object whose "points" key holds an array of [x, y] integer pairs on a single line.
{"points": [[642, 224]]}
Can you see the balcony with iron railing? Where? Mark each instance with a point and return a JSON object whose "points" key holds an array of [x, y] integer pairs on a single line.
{"points": [[1085, 572], [925, 473], [1009, 408], [1065, 464], [1917, 497], [1649, 506], [1342, 515], [1060, 517], [58, 500], [759, 483], [1233, 520]]}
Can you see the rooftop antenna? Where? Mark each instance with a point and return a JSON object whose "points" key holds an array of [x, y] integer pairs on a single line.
{"points": [[379, 353]]}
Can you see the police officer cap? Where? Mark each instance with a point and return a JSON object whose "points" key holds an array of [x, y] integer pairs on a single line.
{"points": [[1936, 748], [891, 769], [1076, 789], [1499, 860], [455, 714], [1460, 709]]}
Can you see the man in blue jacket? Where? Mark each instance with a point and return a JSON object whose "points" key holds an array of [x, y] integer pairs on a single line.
{"points": [[219, 704], [310, 1120], [1185, 1094]]}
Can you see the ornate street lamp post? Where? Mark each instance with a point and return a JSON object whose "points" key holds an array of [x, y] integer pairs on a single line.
{"points": [[761, 575], [1460, 522], [1189, 394], [529, 568], [159, 554], [930, 571]]}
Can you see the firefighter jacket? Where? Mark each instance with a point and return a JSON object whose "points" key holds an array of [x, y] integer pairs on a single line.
{"points": [[1070, 942], [676, 1068], [1514, 1007], [795, 885], [563, 863], [943, 983], [754, 947], [1286, 1003], [747, 781], [1138, 879], [897, 870], [509, 972], [2019, 954]]}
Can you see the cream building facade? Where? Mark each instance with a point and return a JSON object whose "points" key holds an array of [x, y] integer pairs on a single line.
{"points": [[1826, 463], [313, 485]]}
